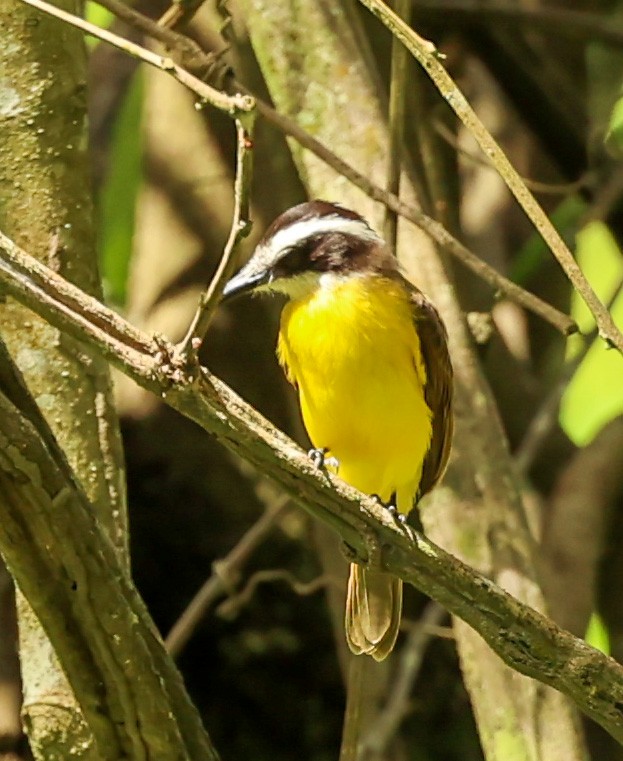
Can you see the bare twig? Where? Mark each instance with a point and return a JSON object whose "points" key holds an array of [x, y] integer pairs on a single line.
{"points": [[426, 54], [357, 668], [560, 20], [223, 578], [434, 229], [206, 66], [234, 604], [240, 227], [193, 58], [397, 100], [57, 549], [605, 198], [536, 186], [526, 640], [547, 414], [51, 287], [191, 55], [411, 656], [179, 12], [235, 105], [580, 528], [441, 632]]}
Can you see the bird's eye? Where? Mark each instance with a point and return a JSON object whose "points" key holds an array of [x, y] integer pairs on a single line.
{"points": [[296, 258]]}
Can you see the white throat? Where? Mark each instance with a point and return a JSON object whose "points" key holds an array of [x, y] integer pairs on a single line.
{"points": [[297, 286], [300, 286]]}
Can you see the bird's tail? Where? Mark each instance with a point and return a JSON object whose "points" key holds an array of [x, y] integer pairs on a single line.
{"points": [[373, 610]]}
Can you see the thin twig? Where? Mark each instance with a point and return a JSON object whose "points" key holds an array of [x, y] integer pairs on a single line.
{"points": [[397, 101], [236, 105], [208, 67], [426, 54], [179, 12], [193, 57], [605, 198], [223, 578], [233, 605], [434, 229], [240, 227], [187, 48], [543, 650], [52, 287], [590, 26], [398, 705], [355, 692], [536, 186], [547, 414]]}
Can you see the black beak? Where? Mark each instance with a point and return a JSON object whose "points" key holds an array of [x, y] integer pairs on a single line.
{"points": [[244, 283]]}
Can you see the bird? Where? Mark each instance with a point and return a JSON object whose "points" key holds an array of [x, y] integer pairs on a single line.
{"points": [[368, 355]]}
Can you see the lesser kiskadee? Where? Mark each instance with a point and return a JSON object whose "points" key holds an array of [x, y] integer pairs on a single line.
{"points": [[368, 355]]}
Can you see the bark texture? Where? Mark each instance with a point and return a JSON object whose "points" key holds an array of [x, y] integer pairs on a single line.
{"points": [[45, 202], [316, 73]]}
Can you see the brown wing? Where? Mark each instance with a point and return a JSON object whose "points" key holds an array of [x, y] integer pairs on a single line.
{"points": [[438, 389]]}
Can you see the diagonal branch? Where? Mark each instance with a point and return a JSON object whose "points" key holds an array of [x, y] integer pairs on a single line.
{"points": [[396, 117], [195, 60], [525, 639], [234, 105], [224, 576], [426, 54], [129, 691], [240, 227], [589, 27]]}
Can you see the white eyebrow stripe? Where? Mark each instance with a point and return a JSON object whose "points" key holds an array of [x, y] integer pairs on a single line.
{"points": [[307, 228]]}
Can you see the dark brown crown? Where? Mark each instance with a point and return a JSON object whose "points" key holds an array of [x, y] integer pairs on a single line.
{"points": [[338, 250]]}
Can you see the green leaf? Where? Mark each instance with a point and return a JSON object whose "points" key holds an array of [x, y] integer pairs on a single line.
{"points": [[117, 202], [99, 16], [535, 252], [595, 394], [597, 634], [614, 133]]}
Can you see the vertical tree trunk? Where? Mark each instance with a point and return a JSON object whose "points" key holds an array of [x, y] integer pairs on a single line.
{"points": [[316, 73], [46, 206]]}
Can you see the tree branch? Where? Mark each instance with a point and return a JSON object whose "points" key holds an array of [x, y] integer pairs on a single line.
{"points": [[396, 117], [129, 691], [588, 26], [240, 227], [426, 54], [525, 639], [225, 574], [379, 735], [235, 105], [195, 60]]}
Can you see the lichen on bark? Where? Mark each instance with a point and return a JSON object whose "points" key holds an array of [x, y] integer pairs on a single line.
{"points": [[45, 202]]}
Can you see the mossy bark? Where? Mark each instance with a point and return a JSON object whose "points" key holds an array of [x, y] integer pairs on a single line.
{"points": [[45, 203], [315, 71]]}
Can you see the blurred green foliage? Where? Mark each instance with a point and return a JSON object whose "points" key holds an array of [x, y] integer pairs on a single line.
{"points": [[597, 634], [614, 134], [595, 394], [535, 252], [118, 196], [99, 16]]}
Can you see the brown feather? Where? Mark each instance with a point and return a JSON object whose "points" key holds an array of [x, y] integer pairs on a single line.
{"points": [[373, 612], [438, 389]]}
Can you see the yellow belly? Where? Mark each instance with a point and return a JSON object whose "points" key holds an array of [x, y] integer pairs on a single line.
{"points": [[352, 349]]}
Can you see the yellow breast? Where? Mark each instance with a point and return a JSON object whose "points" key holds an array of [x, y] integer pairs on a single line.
{"points": [[353, 351]]}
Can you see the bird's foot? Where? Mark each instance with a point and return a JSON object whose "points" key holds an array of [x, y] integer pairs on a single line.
{"points": [[391, 508], [320, 459]]}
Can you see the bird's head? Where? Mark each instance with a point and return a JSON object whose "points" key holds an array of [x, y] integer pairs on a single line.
{"points": [[304, 243]]}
